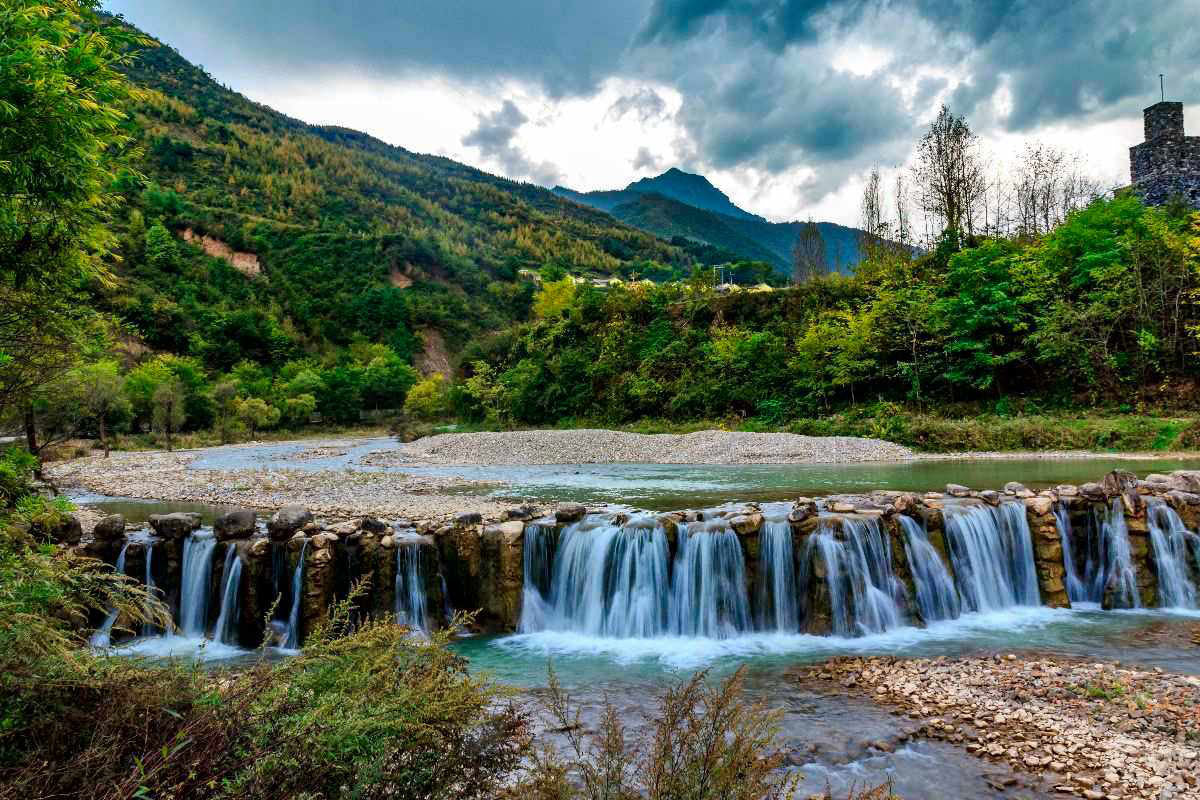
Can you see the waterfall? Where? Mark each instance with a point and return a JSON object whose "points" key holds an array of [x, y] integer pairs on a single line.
{"points": [[231, 585], [863, 590], [196, 580], [991, 550], [102, 637], [708, 589], [1170, 539], [539, 571], [778, 606], [608, 579], [147, 628], [1118, 572], [292, 641], [411, 608], [279, 578], [1077, 586], [937, 599]]}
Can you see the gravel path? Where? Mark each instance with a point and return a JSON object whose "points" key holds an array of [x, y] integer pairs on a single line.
{"points": [[590, 446]]}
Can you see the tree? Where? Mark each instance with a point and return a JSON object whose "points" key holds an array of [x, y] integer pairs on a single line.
{"points": [[808, 253], [224, 397], [103, 395], [299, 409], [949, 173], [428, 400], [169, 414], [255, 413], [140, 385], [161, 252], [554, 297], [64, 141], [386, 381], [874, 229]]}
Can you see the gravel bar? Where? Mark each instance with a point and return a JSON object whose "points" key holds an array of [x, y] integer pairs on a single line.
{"points": [[593, 446]]}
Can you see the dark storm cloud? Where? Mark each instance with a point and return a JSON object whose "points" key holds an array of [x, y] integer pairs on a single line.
{"points": [[646, 160], [493, 137], [754, 75], [566, 46], [646, 103], [1061, 60]]}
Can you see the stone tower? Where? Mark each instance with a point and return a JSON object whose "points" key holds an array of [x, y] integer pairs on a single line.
{"points": [[1167, 163]]}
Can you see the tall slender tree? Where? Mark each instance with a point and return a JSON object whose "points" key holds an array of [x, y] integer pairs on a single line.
{"points": [[808, 253]]}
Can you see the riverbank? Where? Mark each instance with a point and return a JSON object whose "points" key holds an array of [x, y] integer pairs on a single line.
{"points": [[334, 493], [1093, 730], [601, 446]]}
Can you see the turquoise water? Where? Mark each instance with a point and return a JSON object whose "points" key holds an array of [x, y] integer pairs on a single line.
{"points": [[659, 487]]}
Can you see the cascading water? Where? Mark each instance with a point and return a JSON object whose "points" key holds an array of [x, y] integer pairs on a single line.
{"points": [[292, 640], [863, 590], [538, 555], [103, 635], [613, 577], [937, 599], [608, 579], [708, 589], [1171, 541], [1077, 586], [991, 550], [196, 580], [777, 598], [410, 585], [147, 628], [231, 585], [1118, 575]]}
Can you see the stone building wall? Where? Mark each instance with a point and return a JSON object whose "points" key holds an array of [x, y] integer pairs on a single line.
{"points": [[1167, 164]]}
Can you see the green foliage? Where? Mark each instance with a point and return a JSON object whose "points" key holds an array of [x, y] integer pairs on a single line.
{"points": [[1104, 303], [160, 250], [554, 297], [428, 399], [64, 142], [707, 743], [16, 471], [255, 414]]}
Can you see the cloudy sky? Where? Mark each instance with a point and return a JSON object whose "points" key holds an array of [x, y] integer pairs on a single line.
{"points": [[783, 104]]}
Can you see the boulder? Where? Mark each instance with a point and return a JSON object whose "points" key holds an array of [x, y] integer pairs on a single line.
{"points": [[342, 528], [1066, 490], [841, 507], [1186, 480], [174, 526], [67, 531], [324, 541], [990, 496], [520, 513], [1039, 505], [237, 524], [906, 503], [746, 524], [802, 509], [1092, 491], [957, 490], [469, 518], [374, 525], [570, 512], [1119, 481], [1183, 498], [286, 521], [1013, 487], [110, 528]]}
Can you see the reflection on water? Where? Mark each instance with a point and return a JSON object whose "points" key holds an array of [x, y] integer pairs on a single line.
{"points": [[666, 486]]}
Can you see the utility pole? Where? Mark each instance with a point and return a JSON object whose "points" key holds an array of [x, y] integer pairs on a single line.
{"points": [[1162, 87]]}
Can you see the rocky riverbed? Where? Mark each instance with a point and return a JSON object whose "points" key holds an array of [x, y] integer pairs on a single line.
{"points": [[590, 446], [156, 475], [1092, 730]]}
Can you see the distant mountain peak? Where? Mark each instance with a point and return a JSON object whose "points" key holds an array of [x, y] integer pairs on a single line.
{"points": [[687, 187]]}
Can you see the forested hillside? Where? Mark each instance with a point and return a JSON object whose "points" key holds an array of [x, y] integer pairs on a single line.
{"points": [[1100, 312]]}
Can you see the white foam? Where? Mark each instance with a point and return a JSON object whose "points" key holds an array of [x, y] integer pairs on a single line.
{"points": [[690, 652], [187, 647]]}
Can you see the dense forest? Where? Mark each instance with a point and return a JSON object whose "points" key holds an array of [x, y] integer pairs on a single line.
{"points": [[1101, 310]]}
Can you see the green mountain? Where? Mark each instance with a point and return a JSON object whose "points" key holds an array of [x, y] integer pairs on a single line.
{"points": [[678, 203], [292, 240]]}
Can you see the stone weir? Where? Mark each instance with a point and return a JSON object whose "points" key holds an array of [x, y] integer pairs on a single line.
{"points": [[840, 565]]}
